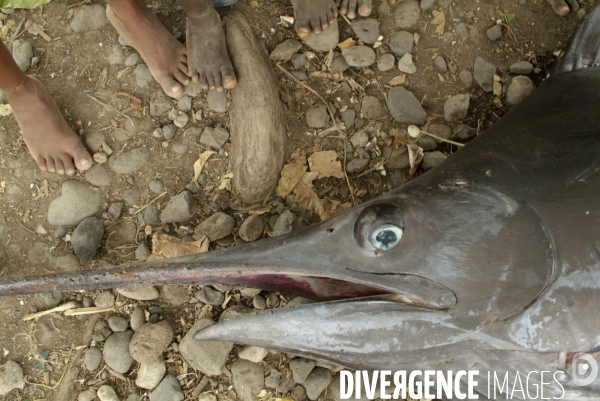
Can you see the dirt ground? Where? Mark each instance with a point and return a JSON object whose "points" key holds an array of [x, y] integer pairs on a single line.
{"points": [[534, 34]]}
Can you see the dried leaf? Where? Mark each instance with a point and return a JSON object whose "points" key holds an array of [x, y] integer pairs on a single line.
{"points": [[326, 164], [226, 182], [347, 43], [398, 80], [415, 156], [254, 4], [165, 247], [291, 174], [5, 110], [306, 198], [199, 164], [439, 19], [35, 29]]}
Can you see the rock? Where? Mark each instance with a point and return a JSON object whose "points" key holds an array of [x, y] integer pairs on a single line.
{"points": [[116, 57], [339, 64], [316, 382], [427, 143], [142, 252], [98, 175], [299, 60], [159, 103], [139, 293], [359, 139], [259, 302], [86, 239], [401, 42], [298, 393], [217, 101], [467, 78], [425, 5], [253, 353], [22, 53], [407, 14], [462, 31], [440, 64], [384, 9], [151, 373], [107, 393], [521, 68], [405, 107], [494, 33], [142, 75], [300, 75], [46, 300], [317, 116], [252, 228], [76, 202], [359, 56], [210, 296], [88, 18], [92, 358], [214, 137], [168, 390], [432, 159], [128, 162], [284, 223], [132, 60], [386, 62], [151, 214], [441, 130], [87, 395], [456, 108], [217, 226], [357, 166], [184, 103], [105, 300], [372, 108], [301, 368], [326, 40], [248, 379], [138, 318], [581, 13], [272, 381], [156, 186], [175, 295], [285, 50], [101, 331], [366, 29], [207, 356], [179, 209], [168, 131], [94, 141], [349, 116], [116, 351], [150, 340], [474, 34], [406, 64], [132, 197], [117, 323], [519, 88], [181, 120], [483, 72]]}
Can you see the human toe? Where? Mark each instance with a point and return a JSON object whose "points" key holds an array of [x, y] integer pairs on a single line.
{"points": [[82, 159], [365, 8], [42, 163], [60, 168]]}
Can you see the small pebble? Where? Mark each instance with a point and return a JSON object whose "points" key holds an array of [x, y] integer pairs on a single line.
{"points": [[117, 323], [259, 302], [156, 186]]}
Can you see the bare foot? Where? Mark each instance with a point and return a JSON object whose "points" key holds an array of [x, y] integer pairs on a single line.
{"points": [[563, 7], [352, 8], [313, 16], [165, 56], [51, 142], [208, 60]]}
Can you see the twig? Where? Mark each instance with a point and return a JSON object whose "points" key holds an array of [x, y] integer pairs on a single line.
{"points": [[148, 204], [381, 164], [342, 135], [460, 145], [78, 3], [16, 34], [87, 311], [60, 308], [61, 376], [110, 108], [26, 229]]}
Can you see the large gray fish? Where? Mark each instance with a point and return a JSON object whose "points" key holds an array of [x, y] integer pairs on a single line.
{"points": [[490, 261]]}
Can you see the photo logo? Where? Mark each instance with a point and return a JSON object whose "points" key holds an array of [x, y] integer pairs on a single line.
{"points": [[584, 369]]}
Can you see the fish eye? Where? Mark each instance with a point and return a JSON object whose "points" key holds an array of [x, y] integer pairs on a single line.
{"points": [[379, 227], [386, 237]]}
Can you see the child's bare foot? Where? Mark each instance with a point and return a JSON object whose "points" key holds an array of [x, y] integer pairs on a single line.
{"points": [[313, 16], [165, 56], [352, 8], [208, 59], [563, 7], [51, 142]]}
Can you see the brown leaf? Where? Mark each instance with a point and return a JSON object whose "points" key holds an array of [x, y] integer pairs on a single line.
{"points": [[165, 247], [306, 198], [291, 174], [326, 164], [439, 19]]}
